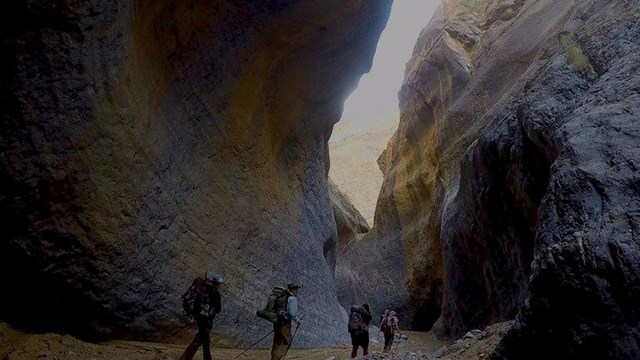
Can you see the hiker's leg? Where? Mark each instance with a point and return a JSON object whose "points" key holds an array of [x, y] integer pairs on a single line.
{"points": [[365, 345], [275, 342], [388, 339], [202, 337], [281, 341], [286, 338], [191, 349], [354, 345], [206, 343], [386, 345], [286, 333], [273, 346], [278, 351]]}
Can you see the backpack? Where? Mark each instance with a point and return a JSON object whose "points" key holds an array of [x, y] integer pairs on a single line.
{"points": [[189, 297], [388, 324], [384, 325], [356, 323], [276, 303]]}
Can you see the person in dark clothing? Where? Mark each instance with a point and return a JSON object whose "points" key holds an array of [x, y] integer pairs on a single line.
{"points": [[206, 305], [359, 320]]}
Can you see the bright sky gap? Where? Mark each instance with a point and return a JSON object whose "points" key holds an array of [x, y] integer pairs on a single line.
{"points": [[371, 112]]}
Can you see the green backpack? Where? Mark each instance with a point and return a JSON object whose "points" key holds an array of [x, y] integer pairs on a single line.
{"points": [[277, 302]]}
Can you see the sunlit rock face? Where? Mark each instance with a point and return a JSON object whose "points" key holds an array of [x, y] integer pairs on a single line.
{"points": [[349, 222], [511, 187], [144, 143], [354, 149]]}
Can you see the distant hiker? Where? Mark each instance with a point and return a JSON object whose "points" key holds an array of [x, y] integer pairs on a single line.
{"points": [[384, 315], [282, 337], [202, 302], [359, 319], [388, 326]]}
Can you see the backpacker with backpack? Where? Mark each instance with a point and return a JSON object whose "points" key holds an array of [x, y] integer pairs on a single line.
{"points": [[276, 303], [189, 297], [384, 325], [356, 322], [388, 324]]}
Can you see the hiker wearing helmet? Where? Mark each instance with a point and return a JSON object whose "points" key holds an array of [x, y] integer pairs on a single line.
{"points": [[202, 302], [388, 326], [282, 337], [358, 327]]}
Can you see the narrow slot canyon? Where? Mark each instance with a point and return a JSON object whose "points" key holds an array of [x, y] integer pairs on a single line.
{"points": [[471, 165]]}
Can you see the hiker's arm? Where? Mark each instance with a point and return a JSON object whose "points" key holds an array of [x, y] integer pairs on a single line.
{"points": [[217, 304], [367, 317], [292, 309]]}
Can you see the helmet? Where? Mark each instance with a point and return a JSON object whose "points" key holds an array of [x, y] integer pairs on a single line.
{"points": [[217, 278]]}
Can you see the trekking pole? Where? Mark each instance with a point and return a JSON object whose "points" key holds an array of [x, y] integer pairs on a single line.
{"points": [[254, 344], [290, 343]]}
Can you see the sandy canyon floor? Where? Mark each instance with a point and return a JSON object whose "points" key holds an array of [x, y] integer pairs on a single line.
{"points": [[16, 345]]}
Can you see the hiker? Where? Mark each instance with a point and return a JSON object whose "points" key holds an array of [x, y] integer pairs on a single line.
{"points": [[359, 319], [384, 315], [282, 337], [388, 326], [202, 302]]}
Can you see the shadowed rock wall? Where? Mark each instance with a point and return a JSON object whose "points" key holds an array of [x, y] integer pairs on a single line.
{"points": [[144, 143], [511, 186]]}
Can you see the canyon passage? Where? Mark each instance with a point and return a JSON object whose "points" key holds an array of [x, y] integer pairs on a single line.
{"points": [[147, 143]]}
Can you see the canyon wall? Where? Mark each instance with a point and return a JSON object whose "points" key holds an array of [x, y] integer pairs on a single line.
{"points": [[354, 149], [512, 187], [146, 143], [349, 222]]}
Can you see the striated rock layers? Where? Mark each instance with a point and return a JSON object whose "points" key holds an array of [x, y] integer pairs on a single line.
{"points": [[144, 143], [512, 187]]}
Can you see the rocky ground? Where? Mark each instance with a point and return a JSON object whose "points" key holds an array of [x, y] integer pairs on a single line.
{"points": [[15, 345]]}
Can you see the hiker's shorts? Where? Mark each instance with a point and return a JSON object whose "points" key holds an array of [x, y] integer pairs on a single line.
{"points": [[360, 339]]}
